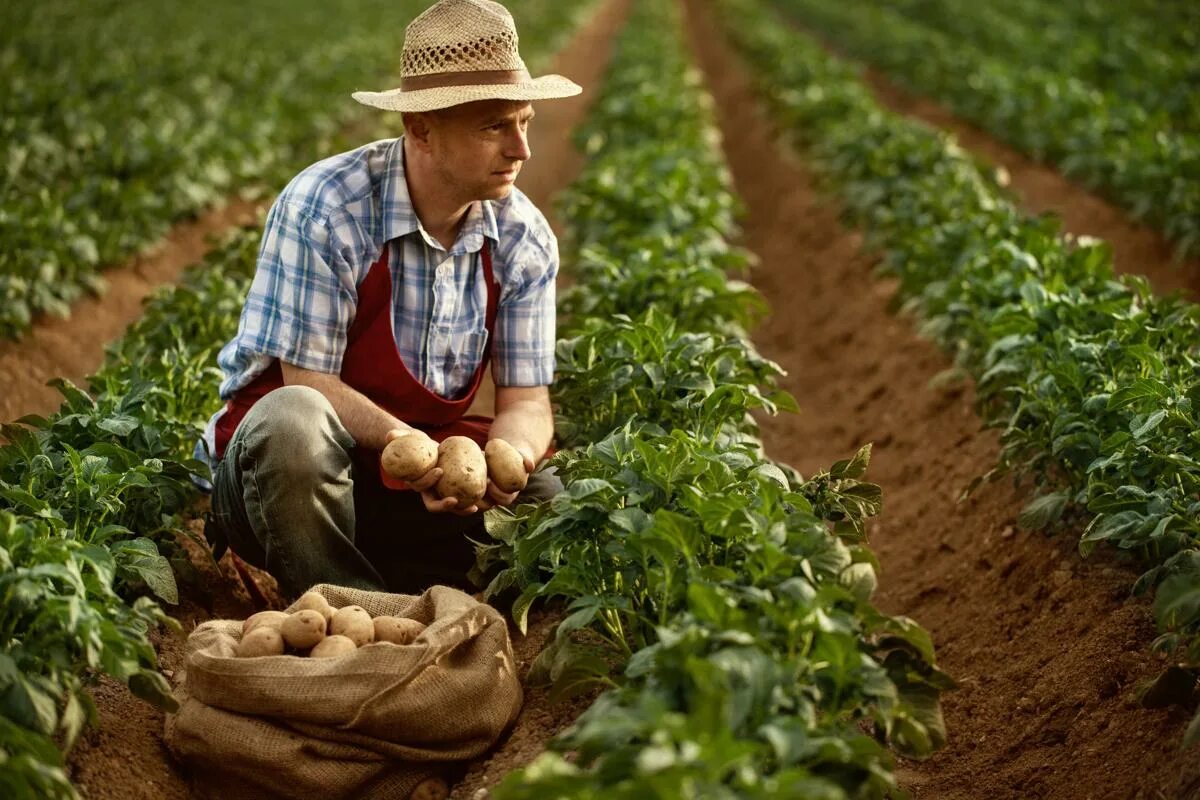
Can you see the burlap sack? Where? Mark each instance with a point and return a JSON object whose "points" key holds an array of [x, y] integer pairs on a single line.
{"points": [[372, 724]]}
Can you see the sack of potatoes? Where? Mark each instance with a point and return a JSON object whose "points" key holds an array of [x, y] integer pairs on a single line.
{"points": [[345, 694]]}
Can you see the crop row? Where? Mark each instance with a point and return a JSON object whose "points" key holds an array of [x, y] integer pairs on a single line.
{"points": [[1105, 141], [118, 119], [91, 502], [1116, 48], [723, 600], [1093, 381]]}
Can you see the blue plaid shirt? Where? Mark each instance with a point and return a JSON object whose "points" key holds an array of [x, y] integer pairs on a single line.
{"points": [[331, 224]]}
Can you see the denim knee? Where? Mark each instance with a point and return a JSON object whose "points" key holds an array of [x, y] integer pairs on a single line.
{"points": [[294, 433]]}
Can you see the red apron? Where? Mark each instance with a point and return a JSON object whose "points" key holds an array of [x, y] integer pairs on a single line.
{"points": [[373, 366]]}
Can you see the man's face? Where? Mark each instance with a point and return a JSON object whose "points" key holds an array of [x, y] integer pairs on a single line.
{"points": [[478, 148]]}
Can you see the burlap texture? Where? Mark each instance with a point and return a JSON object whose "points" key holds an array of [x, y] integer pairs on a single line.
{"points": [[372, 724]]}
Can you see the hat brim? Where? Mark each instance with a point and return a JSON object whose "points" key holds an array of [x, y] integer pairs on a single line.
{"points": [[547, 87]]}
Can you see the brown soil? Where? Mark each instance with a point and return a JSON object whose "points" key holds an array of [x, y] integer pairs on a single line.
{"points": [[1047, 647], [73, 348], [124, 758]]}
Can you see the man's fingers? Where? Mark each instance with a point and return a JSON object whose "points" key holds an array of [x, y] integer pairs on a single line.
{"points": [[427, 480], [396, 433], [438, 505], [498, 497]]}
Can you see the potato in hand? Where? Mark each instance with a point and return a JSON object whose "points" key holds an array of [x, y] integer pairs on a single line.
{"points": [[506, 466], [464, 471], [410, 456]]}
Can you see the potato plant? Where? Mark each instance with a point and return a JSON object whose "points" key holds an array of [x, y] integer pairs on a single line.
{"points": [[722, 599], [1108, 142], [61, 623]]}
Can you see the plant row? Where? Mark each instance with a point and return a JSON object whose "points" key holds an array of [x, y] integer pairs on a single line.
{"points": [[91, 500], [1117, 48], [723, 600], [90, 504], [117, 120], [1105, 141], [1093, 381]]}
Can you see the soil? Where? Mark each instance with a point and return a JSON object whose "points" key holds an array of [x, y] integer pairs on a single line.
{"points": [[1047, 648], [123, 757], [74, 348]]}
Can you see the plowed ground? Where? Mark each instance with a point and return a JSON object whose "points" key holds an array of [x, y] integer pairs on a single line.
{"points": [[1047, 648]]}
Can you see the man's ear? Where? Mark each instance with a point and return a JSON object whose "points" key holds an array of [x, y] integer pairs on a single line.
{"points": [[418, 128]]}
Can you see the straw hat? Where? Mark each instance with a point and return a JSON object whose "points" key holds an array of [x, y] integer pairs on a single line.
{"points": [[460, 51]]}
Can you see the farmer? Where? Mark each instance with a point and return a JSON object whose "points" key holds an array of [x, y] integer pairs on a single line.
{"points": [[388, 278]]}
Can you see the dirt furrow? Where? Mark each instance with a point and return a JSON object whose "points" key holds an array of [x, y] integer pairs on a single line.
{"points": [[73, 348], [1047, 647], [124, 758], [1138, 249]]}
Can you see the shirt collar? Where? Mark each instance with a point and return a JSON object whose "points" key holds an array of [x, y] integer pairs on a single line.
{"points": [[400, 219]]}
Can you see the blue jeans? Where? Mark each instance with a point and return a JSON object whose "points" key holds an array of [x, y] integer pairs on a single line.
{"points": [[294, 496]]}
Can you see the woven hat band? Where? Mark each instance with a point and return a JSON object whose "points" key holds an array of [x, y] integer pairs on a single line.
{"points": [[489, 77]]}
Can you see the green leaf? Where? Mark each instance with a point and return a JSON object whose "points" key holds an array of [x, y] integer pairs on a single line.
{"points": [[119, 425], [1142, 429], [141, 557], [1044, 511], [1141, 389], [520, 609], [855, 467], [1177, 602], [154, 689]]}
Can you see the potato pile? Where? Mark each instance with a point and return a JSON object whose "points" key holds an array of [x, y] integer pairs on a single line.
{"points": [[318, 630], [465, 468]]}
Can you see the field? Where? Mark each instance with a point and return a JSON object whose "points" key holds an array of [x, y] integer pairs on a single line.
{"points": [[876, 394]]}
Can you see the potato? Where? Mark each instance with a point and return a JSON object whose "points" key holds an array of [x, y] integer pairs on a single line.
{"points": [[505, 466], [410, 456], [333, 646], [430, 789], [317, 602], [262, 641], [303, 629], [465, 470], [354, 623], [271, 619], [397, 630]]}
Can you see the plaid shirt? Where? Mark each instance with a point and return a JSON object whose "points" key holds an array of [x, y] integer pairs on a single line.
{"points": [[330, 225]]}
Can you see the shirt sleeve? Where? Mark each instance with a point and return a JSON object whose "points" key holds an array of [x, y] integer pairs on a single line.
{"points": [[523, 353], [299, 306]]}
